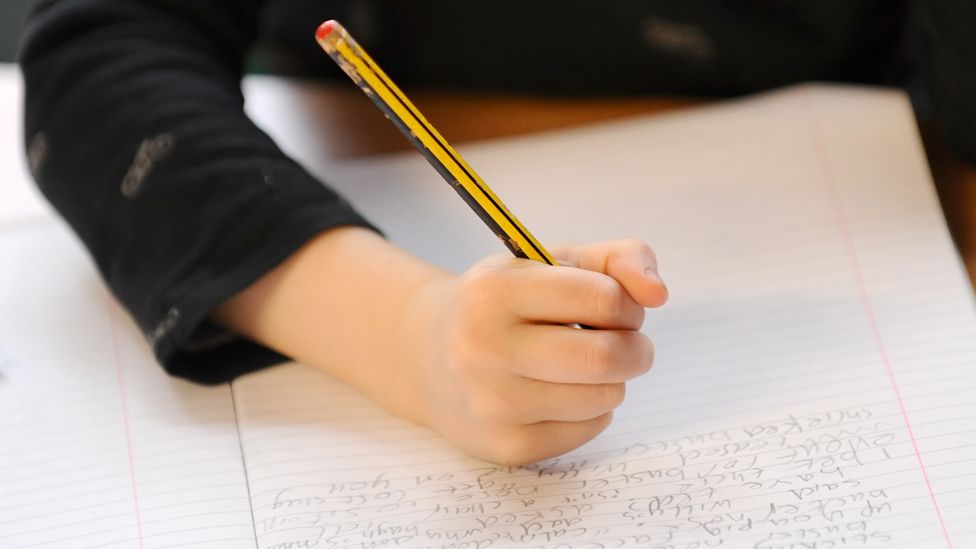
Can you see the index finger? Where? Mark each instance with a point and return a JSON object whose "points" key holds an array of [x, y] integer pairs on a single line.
{"points": [[630, 262]]}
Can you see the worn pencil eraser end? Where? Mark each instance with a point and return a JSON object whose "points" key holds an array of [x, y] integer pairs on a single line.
{"points": [[324, 29]]}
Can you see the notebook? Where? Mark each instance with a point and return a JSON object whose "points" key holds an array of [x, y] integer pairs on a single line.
{"points": [[813, 386]]}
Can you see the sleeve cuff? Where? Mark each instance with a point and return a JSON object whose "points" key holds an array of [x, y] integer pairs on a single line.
{"points": [[188, 345]]}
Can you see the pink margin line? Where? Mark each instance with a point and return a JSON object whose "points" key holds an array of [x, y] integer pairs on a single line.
{"points": [[125, 416], [838, 206]]}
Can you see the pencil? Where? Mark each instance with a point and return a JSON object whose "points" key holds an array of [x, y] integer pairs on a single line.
{"points": [[356, 63]]}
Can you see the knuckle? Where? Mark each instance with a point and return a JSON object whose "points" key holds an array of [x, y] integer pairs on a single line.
{"points": [[491, 409], [640, 353], [475, 283], [613, 395], [637, 246], [517, 448], [633, 244], [601, 355], [606, 299], [639, 315], [647, 352], [489, 289], [481, 410]]}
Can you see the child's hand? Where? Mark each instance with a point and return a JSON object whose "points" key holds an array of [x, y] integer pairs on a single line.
{"points": [[488, 359], [504, 375]]}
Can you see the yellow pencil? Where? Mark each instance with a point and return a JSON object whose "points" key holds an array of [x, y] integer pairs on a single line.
{"points": [[344, 50]]}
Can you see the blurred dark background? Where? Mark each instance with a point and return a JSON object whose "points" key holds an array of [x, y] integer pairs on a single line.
{"points": [[11, 18]]}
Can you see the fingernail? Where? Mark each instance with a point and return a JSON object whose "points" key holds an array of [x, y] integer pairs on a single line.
{"points": [[652, 273]]}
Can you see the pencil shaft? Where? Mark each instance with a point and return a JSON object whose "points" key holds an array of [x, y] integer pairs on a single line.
{"points": [[357, 64]]}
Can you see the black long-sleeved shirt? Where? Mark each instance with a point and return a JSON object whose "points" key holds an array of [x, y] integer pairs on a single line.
{"points": [[135, 129]]}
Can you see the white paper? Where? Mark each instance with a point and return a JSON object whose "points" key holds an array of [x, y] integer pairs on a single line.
{"points": [[811, 387], [98, 447]]}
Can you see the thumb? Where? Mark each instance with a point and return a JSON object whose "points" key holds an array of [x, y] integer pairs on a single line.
{"points": [[630, 262]]}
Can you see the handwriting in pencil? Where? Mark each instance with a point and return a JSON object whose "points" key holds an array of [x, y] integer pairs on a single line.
{"points": [[772, 484]]}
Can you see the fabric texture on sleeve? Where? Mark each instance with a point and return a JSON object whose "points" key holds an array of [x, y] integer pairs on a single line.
{"points": [[136, 133], [948, 62]]}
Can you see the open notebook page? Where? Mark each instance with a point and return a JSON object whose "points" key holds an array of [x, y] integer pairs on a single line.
{"points": [[98, 447], [813, 385]]}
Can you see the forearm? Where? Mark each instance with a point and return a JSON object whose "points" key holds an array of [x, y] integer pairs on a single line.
{"points": [[341, 304], [135, 123]]}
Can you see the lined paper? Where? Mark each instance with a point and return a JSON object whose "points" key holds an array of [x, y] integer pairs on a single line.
{"points": [[98, 447], [813, 383], [7, 363]]}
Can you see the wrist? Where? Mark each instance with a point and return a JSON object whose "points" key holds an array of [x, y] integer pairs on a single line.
{"points": [[423, 327], [341, 303]]}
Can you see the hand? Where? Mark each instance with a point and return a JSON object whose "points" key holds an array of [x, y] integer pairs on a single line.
{"points": [[502, 373], [487, 358]]}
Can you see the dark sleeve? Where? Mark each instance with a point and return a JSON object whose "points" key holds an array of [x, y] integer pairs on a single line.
{"points": [[136, 133], [948, 63]]}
